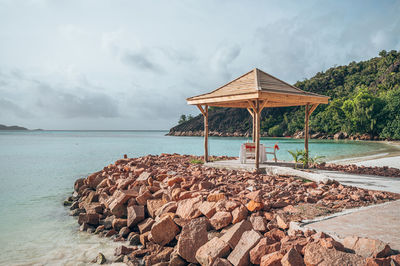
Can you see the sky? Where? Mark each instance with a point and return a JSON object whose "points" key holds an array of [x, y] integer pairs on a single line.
{"points": [[122, 64]]}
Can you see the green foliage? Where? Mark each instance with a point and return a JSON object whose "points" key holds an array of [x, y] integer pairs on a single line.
{"points": [[298, 156], [182, 119], [365, 99], [196, 161]]}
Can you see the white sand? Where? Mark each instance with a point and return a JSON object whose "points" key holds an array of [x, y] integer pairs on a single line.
{"points": [[387, 161]]}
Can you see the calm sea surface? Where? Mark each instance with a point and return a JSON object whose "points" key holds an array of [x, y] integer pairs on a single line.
{"points": [[38, 170]]}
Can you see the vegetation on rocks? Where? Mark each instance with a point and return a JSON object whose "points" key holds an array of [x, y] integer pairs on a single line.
{"points": [[365, 100]]}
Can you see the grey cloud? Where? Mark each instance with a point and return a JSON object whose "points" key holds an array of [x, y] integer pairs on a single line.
{"points": [[83, 104], [8, 108], [141, 61]]}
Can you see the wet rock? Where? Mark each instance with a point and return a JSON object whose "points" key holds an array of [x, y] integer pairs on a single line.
{"points": [[133, 238], [122, 250], [192, 237], [111, 233], [210, 251], [135, 215], [164, 231], [366, 247], [124, 232], [101, 259], [240, 255], [118, 223], [89, 218]]}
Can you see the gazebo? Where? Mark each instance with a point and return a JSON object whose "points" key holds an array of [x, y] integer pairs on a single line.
{"points": [[255, 91]]}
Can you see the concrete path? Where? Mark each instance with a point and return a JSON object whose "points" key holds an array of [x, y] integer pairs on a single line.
{"points": [[377, 222], [391, 184]]}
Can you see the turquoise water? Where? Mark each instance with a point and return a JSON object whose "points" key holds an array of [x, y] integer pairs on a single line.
{"points": [[38, 169]]}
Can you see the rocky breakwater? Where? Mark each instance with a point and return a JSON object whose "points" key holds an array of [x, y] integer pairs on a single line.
{"points": [[173, 212]]}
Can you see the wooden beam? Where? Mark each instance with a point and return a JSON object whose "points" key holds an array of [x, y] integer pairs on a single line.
{"points": [[201, 109], [306, 131], [206, 133], [252, 106], [313, 107], [253, 124], [257, 135], [250, 111]]}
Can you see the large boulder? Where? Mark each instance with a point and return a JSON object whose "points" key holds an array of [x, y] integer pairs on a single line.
{"points": [[192, 237], [233, 234], [315, 254], [210, 251], [240, 255], [163, 231], [366, 247], [189, 208], [221, 220], [135, 215]]}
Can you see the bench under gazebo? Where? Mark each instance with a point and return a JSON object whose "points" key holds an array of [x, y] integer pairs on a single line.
{"points": [[255, 91]]}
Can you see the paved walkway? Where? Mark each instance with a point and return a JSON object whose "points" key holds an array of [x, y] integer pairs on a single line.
{"points": [[391, 184], [377, 222]]}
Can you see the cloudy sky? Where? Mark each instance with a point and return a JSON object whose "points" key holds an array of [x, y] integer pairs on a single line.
{"points": [[122, 64]]}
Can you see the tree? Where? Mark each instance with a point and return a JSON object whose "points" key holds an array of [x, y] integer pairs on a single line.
{"points": [[182, 119]]}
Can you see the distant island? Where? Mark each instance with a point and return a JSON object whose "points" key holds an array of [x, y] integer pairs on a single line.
{"points": [[4, 127], [365, 104]]}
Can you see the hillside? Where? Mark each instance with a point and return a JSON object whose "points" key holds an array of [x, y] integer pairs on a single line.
{"points": [[4, 127], [365, 103]]}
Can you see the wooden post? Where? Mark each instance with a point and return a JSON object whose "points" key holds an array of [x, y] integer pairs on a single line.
{"points": [[306, 131], [205, 115], [253, 133], [206, 134], [257, 134]]}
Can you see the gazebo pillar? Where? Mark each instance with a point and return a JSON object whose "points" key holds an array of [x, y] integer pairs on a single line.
{"points": [[306, 131], [205, 115], [257, 133]]}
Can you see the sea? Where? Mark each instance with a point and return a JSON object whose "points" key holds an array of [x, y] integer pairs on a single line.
{"points": [[38, 170]]}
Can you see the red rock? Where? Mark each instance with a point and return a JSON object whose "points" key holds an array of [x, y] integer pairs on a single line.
{"points": [[192, 237], [207, 208], [216, 197], [272, 259], [145, 225], [331, 243], [240, 255], [205, 185], [143, 177], [135, 215], [254, 206], [89, 218], [239, 214], [111, 233], [259, 223], [396, 259], [210, 251], [255, 196], [366, 247], [292, 258], [164, 231], [143, 197], [153, 205], [378, 262], [221, 220], [226, 205], [175, 180], [234, 234], [315, 254], [221, 262], [275, 234], [189, 208], [167, 207], [263, 247], [118, 223], [282, 221], [122, 250]]}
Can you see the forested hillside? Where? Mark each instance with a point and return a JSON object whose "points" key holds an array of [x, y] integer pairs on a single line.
{"points": [[365, 100]]}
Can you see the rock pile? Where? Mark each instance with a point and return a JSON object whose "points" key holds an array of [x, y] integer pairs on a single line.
{"points": [[362, 170], [174, 212]]}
